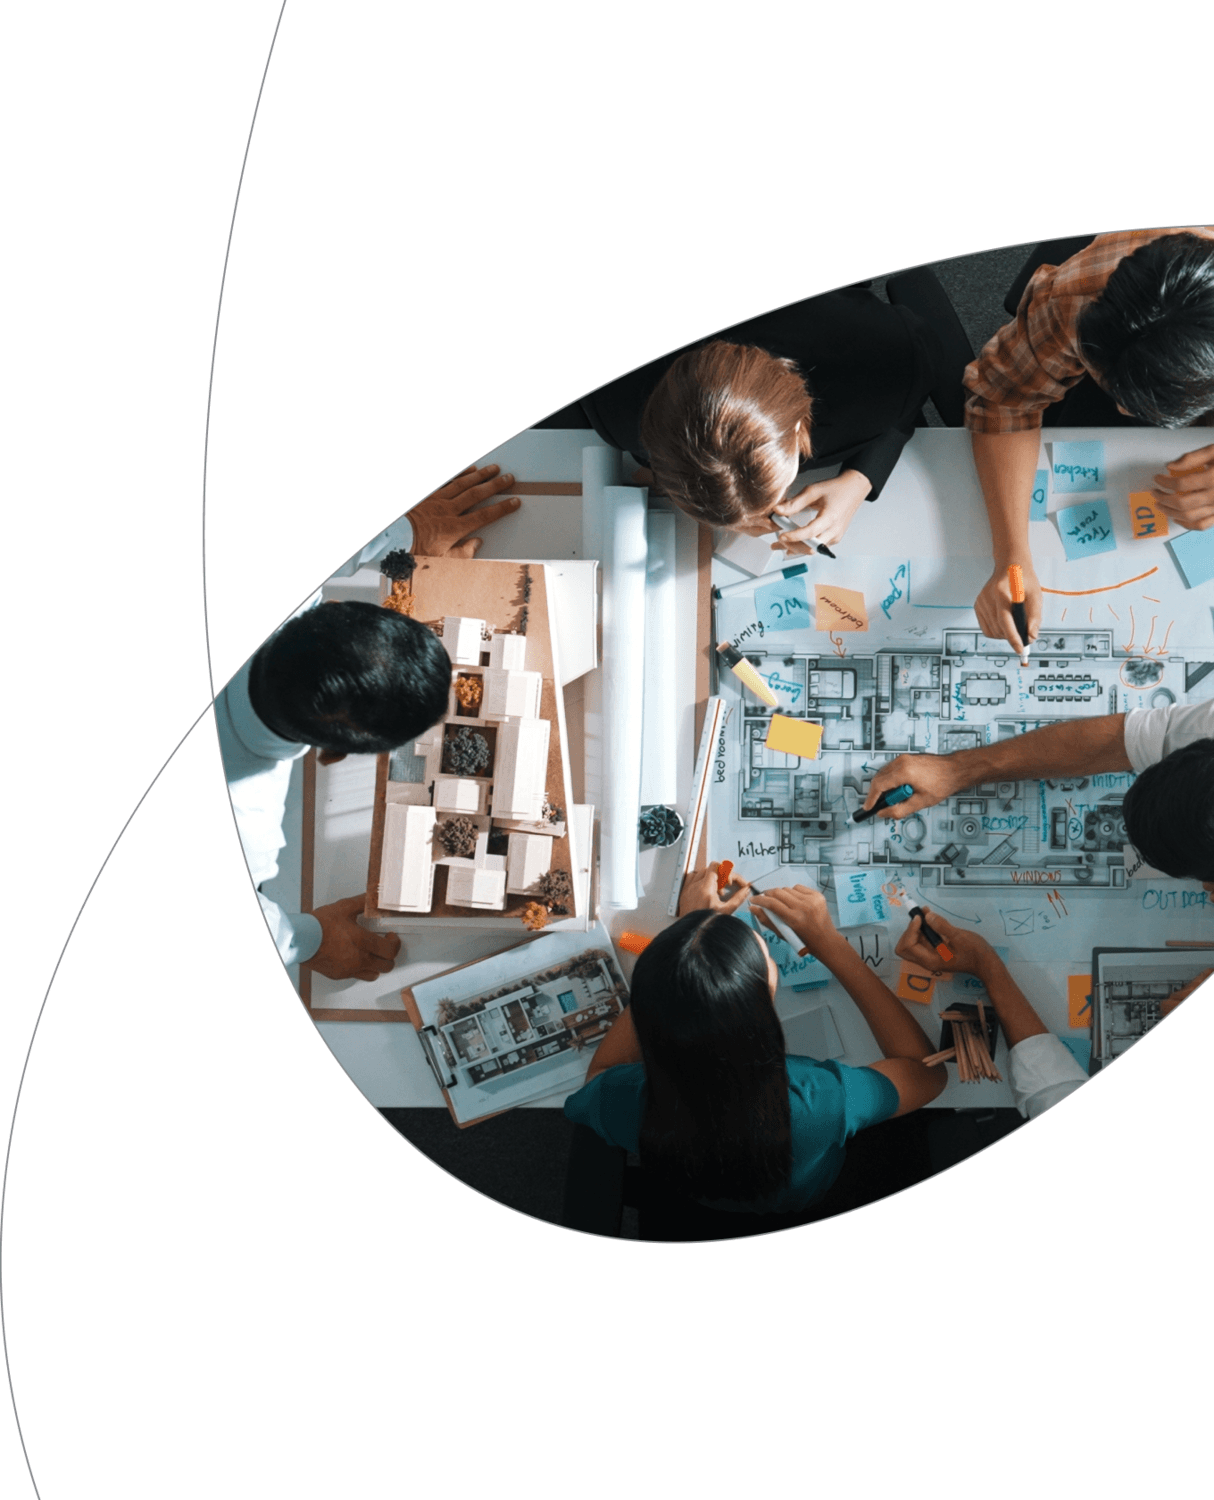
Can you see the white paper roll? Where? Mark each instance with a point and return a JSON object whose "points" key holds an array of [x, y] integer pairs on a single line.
{"points": [[616, 530], [659, 738]]}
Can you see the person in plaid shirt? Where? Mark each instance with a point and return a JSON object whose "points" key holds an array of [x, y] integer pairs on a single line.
{"points": [[1125, 326]]}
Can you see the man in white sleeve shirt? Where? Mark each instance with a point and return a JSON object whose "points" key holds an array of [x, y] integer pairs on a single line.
{"points": [[347, 678], [1169, 819]]}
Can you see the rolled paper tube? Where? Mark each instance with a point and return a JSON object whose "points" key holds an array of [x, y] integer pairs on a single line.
{"points": [[615, 526], [660, 712]]}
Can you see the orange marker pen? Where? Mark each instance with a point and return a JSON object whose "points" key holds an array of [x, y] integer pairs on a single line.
{"points": [[1015, 578], [724, 874], [632, 942], [932, 936]]}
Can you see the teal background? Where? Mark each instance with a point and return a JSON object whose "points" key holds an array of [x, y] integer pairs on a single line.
{"points": [[222, 1274]]}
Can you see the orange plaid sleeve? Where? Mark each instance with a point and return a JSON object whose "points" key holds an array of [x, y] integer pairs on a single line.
{"points": [[1035, 359]]}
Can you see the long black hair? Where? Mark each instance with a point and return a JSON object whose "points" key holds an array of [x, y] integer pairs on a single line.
{"points": [[716, 1122]]}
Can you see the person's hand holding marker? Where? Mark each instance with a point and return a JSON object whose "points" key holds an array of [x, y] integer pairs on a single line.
{"points": [[995, 606], [932, 777], [803, 911], [956, 952], [706, 890], [834, 503]]}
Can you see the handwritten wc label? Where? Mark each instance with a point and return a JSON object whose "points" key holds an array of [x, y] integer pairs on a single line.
{"points": [[1086, 529], [1146, 518], [1078, 468], [1039, 510], [783, 604], [837, 609]]}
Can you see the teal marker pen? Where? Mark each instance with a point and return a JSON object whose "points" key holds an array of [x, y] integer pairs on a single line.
{"points": [[886, 799], [748, 585]]}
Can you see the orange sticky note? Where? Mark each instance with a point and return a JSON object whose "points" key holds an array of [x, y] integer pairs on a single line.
{"points": [[915, 983], [793, 736], [1146, 518], [839, 609], [1078, 1001]]}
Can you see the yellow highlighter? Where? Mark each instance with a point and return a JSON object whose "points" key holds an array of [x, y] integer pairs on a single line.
{"points": [[745, 673]]}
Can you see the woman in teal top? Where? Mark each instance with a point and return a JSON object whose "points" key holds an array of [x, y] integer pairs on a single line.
{"points": [[693, 1075]]}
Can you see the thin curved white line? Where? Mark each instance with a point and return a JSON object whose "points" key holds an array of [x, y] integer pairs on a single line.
{"points": [[209, 708]]}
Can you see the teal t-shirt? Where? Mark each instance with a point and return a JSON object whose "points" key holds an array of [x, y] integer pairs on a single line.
{"points": [[828, 1103]]}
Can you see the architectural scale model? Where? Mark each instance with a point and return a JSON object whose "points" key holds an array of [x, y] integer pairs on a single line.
{"points": [[970, 692], [485, 761]]}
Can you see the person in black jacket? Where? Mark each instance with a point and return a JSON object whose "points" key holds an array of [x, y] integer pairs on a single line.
{"points": [[725, 426]]}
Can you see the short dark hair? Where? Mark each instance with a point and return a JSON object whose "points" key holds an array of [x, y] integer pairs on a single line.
{"points": [[1150, 334], [717, 1121], [350, 677], [719, 427], [1169, 813]]}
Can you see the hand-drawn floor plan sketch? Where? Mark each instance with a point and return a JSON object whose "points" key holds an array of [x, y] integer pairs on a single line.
{"points": [[1039, 868], [968, 692]]}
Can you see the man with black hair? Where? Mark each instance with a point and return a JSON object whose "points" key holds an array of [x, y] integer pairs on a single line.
{"points": [[1120, 334], [348, 678], [1169, 810]]}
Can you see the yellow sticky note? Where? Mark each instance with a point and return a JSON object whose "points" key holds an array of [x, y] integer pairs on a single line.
{"points": [[1146, 518], [793, 736], [839, 609], [1078, 1001], [915, 983]]}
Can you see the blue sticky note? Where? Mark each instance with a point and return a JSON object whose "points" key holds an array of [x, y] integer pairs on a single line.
{"points": [[1080, 1048], [1041, 495], [1193, 554], [1086, 529], [783, 604], [860, 897], [1078, 468]]}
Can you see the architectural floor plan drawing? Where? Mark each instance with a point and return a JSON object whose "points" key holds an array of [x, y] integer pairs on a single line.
{"points": [[963, 693], [1038, 868]]}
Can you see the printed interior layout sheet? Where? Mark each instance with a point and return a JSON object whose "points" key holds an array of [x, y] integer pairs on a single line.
{"points": [[883, 653]]}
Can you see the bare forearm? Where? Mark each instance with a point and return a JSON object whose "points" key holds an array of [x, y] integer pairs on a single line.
{"points": [[1016, 1015], [1077, 747], [620, 1045], [1007, 463], [896, 1031]]}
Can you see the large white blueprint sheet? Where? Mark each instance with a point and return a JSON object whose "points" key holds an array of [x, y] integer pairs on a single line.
{"points": [[1038, 868]]}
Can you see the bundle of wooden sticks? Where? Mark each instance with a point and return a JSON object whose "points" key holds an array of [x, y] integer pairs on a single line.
{"points": [[969, 1050]]}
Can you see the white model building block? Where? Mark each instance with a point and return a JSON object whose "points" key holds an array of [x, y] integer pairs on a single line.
{"points": [[528, 856], [459, 794], [521, 771], [406, 867], [462, 640], [479, 882], [508, 653], [511, 695]]}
